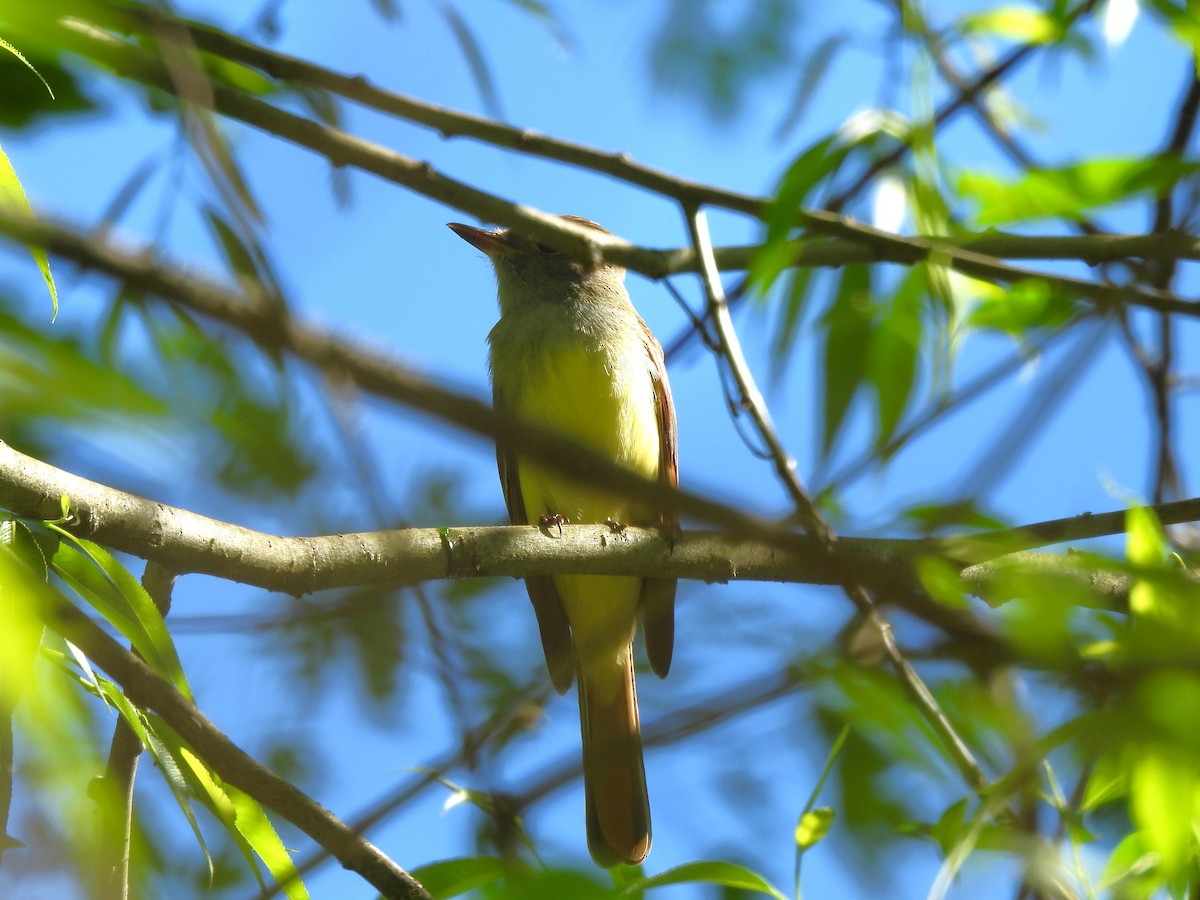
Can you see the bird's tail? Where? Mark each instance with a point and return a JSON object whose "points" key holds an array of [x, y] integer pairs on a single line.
{"points": [[614, 776]]}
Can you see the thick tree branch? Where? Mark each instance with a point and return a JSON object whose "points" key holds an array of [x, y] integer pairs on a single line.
{"points": [[187, 542]]}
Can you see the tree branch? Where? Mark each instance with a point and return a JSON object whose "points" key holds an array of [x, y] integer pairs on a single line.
{"points": [[147, 689], [186, 542], [342, 148]]}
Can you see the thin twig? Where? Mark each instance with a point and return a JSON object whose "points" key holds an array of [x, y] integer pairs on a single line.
{"points": [[754, 404], [750, 399]]}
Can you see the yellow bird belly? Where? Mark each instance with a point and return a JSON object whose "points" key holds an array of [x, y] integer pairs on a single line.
{"points": [[608, 405]]}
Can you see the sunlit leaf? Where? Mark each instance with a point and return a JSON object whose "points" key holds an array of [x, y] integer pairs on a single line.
{"points": [[813, 826], [1025, 305], [242, 816], [13, 199], [21, 564], [96, 576], [1072, 190], [1163, 788], [164, 759], [1018, 23], [713, 872]]}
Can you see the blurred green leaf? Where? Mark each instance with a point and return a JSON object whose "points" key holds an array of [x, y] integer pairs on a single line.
{"points": [[1108, 781], [707, 872], [1025, 305], [238, 76], [893, 353], [1164, 786], [932, 518], [545, 884], [1019, 23], [1130, 860], [12, 197], [942, 581], [451, 877], [698, 50], [791, 312], [51, 375], [813, 826], [1072, 190], [21, 634], [472, 51], [848, 330], [813, 67]]}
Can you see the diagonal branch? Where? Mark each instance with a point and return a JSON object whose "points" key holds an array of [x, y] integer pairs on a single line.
{"points": [[147, 689]]}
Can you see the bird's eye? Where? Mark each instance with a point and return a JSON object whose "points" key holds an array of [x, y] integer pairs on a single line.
{"points": [[546, 249]]}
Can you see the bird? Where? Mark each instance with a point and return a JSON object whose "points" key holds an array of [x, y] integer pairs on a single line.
{"points": [[570, 353]]}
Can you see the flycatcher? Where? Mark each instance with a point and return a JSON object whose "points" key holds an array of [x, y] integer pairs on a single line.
{"points": [[570, 353]]}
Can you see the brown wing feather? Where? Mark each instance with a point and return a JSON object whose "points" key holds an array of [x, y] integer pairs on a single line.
{"points": [[553, 627], [658, 594]]}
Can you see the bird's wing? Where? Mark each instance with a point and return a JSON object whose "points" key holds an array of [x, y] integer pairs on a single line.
{"points": [[658, 594]]}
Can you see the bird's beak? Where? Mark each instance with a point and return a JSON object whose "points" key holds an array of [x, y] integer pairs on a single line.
{"points": [[490, 242]]}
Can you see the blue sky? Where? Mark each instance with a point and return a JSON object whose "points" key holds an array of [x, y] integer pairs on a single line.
{"points": [[387, 271]]}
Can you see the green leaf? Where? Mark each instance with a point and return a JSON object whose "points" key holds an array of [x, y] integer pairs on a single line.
{"points": [[1071, 190], [950, 828], [894, 349], [707, 872], [552, 884], [790, 315], [813, 826], [95, 575], [13, 199], [810, 168], [21, 567], [1163, 788], [44, 376], [942, 581], [1019, 23], [1108, 782], [931, 518], [242, 817], [848, 327], [1129, 860], [1025, 305], [451, 877]]}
